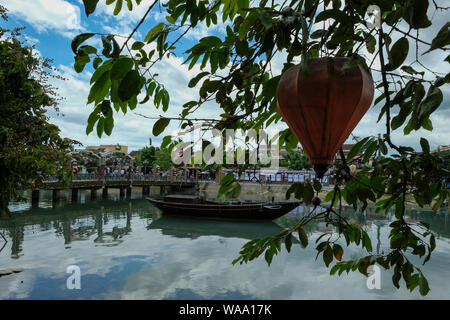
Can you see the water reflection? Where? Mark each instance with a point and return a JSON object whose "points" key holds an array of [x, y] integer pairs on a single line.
{"points": [[127, 249], [193, 229]]}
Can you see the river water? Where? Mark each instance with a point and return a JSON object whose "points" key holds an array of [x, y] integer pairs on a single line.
{"points": [[126, 249]]}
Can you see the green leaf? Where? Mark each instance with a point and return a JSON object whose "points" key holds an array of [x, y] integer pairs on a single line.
{"points": [[308, 193], [107, 47], [423, 285], [152, 33], [317, 185], [166, 141], [100, 126], [93, 117], [396, 278], [288, 242], [100, 88], [431, 102], [370, 150], [151, 87], [432, 242], [356, 148], [382, 146], [79, 39], [159, 126], [210, 41], [442, 39], [266, 19], [332, 14], [138, 45], [100, 70], [196, 79], [303, 237], [132, 103], [97, 62], [80, 63], [416, 14], [89, 6], [105, 107], [410, 70], [269, 256], [398, 53], [335, 268], [425, 146], [270, 87], [121, 67], [370, 43], [118, 7], [108, 125], [129, 86], [165, 100], [366, 241], [129, 5], [328, 255], [227, 179]]}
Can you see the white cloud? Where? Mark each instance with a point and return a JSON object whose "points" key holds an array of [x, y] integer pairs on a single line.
{"points": [[48, 15], [129, 129]]}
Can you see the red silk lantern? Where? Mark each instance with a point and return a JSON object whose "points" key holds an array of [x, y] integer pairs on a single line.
{"points": [[323, 107]]}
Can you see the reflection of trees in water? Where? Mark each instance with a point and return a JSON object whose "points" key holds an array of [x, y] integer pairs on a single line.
{"points": [[117, 232], [439, 222], [17, 234], [74, 222]]}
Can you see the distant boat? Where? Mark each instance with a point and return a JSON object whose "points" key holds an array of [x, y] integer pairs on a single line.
{"points": [[197, 207]]}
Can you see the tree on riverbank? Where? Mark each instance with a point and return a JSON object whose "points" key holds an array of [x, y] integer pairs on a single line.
{"points": [[30, 146], [298, 160], [163, 159], [146, 157], [236, 72]]}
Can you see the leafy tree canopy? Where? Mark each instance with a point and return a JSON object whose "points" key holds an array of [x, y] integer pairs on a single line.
{"points": [[147, 156], [236, 73], [163, 159], [30, 146], [298, 160]]}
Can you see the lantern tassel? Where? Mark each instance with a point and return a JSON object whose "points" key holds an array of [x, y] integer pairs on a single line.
{"points": [[320, 169]]}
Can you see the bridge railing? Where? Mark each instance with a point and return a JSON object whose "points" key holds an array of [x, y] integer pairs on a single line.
{"points": [[264, 179], [85, 176]]}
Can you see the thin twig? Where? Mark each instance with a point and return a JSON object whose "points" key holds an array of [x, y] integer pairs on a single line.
{"points": [[176, 118], [139, 24]]}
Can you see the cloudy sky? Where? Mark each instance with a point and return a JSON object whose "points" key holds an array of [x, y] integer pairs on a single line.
{"points": [[52, 24]]}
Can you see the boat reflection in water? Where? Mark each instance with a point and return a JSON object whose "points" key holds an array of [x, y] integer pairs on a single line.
{"points": [[195, 228]]}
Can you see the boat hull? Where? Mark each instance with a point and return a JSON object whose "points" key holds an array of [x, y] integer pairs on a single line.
{"points": [[251, 212]]}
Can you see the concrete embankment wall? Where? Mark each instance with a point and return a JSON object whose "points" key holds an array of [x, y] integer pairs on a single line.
{"points": [[250, 191]]}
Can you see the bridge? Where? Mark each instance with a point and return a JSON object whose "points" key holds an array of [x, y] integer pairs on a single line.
{"points": [[124, 183], [178, 181]]}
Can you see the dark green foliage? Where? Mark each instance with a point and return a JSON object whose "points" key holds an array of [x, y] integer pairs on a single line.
{"points": [[30, 146], [297, 160]]}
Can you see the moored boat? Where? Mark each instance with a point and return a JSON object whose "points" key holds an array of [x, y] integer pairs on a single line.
{"points": [[197, 207]]}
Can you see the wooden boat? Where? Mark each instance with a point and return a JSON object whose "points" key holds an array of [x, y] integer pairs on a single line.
{"points": [[197, 207]]}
